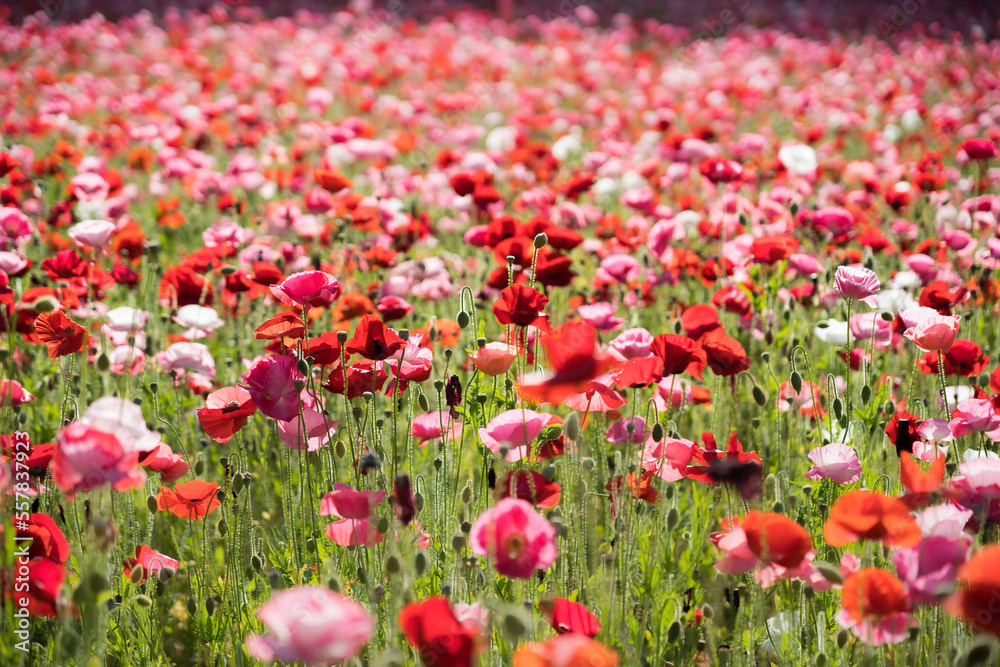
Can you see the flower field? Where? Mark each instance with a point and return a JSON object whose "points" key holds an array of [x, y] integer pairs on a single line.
{"points": [[477, 338]]}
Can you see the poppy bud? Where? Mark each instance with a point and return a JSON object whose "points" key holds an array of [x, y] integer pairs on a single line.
{"points": [[151, 504], [422, 402], [418, 501], [674, 632], [222, 527], [103, 362], [673, 517], [138, 574], [866, 394], [274, 579], [838, 407], [513, 626], [796, 381], [298, 384], [842, 638], [256, 562], [382, 526], [144, 601], [467, 494], [759, 397], [463, 319], [404, 334], [890, 408], [303, 366], [541, 240], [165, 574], [657, 432], [571, 427], [378, 593], [192, 607], [341, 337], [978, 654], [420, 563], [458, 542], [333, 584]]}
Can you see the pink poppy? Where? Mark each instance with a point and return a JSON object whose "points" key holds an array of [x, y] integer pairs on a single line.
{"points": [[835, 461], [631, 343], [271, 384], [934, 333], [601, 316], [618, 268], [416, 361], [600, 397], [152, 561], [11, 390], [948, 520], [307, 289], [318, 431], [186, 357], [310, 625], [976, 415], [618, 433], [433, 425], [928, 570], [855, 282], [494, 358], [87, 458], [348, 503], [164, 460], [92, 233], [668, 458], [867, 326], [517, 539], [513, 430]]}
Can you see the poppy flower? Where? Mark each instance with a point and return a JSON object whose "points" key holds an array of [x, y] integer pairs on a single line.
{"points": [[870, 515], [446, 332], [528, 485], [699, 320], [937, 296], [47, 540], [835, 461], [641, 487], [307, 289], [517, 539], [438, 636], [575, 360], [373, 340], [523, 306], [773, 249], [774, 538], [60, 334], [721, 170], [332, 181], [569, 650], [271, 385], [857, 283], [679, 354], [639, 372], [362, 377], [189, 500], [65, 265], [902, 430], [874, 605], [310, 625], [152, 562], [979, 149], [164, 460], [976, 598], [87, 458], [45, 578], [725, 355], [181, 284], [569, 617], [494, 358], [731, 466], [286, 326]]}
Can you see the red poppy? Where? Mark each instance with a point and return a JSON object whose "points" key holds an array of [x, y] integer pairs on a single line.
{"points": [[903, 440], [975, 601], [871, 593], [979, 149], [575, 361], [45, 580], [66, 264], [639, 372], [60, 334], [679, 354], [552, 269], [641, 485], [732, 465], [523, 306], [937, 296], [325, 350], [773, 249], [774, 538], [700, 319], [440, 639], [189, 500], [287, 326], [182, 283], [528, 485], [964, 358], [726, 356], [870, 515], [226, 412], [570, 618], [361, 377], [332, 181], [373, 340], [47, 541]]}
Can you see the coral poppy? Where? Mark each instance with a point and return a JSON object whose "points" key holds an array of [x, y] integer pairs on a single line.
{"points": [[47, 541], [870, 515], [774, 538], [189, 500], [60, 334], [874, 605], [575, 360], [569, 650], [226, 411], [975, 601]]}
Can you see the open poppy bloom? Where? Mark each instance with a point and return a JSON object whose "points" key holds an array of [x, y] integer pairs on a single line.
{"points": [[679, 354], [225, 412], [731, 465], [515, 538], [725, 355], [919, 484], [438, 636], [528, 485], [875, 607], [189, 500], [870, 515], [976, 597], [307, 289], [569, 617], [60, 334], [47, 540], [575, 360], [354, 508], [271, 384], [511, 433], [286, 326], [774, 538], [522, 306], [373, 340]]}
